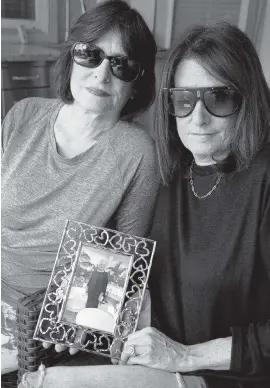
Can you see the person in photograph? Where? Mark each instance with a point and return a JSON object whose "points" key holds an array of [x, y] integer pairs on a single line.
{"points": [[97, 285], [82, 156], [210, 278]]}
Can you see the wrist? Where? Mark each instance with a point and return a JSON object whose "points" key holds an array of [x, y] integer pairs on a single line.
{"points": [[215, 355]]}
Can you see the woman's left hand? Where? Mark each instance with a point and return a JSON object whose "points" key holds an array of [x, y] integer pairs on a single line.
{"points": [[154, 349]]}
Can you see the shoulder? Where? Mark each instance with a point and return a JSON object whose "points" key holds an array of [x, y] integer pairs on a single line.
{"points": [[135, 156], [131, 141], [259, 169], [28, 109], [133, 135], [262, 159], [25, 113], [260, 180], [31, 105]]}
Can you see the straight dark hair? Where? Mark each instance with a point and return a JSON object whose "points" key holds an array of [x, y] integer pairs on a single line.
{"points": [[229, 55], [137, 41]]}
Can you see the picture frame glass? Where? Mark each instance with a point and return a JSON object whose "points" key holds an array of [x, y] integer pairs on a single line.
{"points": [[97, 289]]}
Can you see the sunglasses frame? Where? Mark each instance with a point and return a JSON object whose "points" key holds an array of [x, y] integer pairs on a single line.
{"points": [[109, 57], [199, 95]]}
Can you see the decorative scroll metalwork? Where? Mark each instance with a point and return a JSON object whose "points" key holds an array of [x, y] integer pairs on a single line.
{"points": [[52, 328]]}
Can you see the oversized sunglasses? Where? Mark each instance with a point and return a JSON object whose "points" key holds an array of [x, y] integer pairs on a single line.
{"points": [[91, 56], [221, 101]]}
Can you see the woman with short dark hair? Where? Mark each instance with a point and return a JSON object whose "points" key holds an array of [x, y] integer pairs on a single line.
{"points": [[138, 44], [81, 156]]}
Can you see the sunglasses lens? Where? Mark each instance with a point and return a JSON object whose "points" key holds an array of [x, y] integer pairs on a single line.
{"points": [[183, 102], [124, 68], [222, 103], [87, 55]]}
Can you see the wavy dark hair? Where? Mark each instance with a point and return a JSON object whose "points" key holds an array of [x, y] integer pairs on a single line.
{"points": [[137, 41], [229, 55]]}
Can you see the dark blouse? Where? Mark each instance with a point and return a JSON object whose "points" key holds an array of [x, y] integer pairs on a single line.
{"points": [[211, 272]]}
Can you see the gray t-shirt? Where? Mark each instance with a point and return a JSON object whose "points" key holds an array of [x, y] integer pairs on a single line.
{"points": [[114, 182]]}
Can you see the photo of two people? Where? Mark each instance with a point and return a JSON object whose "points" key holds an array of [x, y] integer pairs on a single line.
{"points": [[97, 288]]}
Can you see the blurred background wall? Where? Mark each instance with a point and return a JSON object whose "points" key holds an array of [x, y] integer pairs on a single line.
{"points": [[28, 42]]}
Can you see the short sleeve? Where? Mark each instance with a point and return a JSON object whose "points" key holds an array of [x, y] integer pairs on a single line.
{"points": [[7, 126], [12, 121], [135, 213], [138, 166]]}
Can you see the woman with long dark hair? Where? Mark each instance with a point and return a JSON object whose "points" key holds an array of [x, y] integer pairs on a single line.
{"points": [[210, 281]]}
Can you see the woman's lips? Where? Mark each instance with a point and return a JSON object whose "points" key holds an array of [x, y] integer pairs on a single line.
{"points": [[98, 92], [203, 134]]}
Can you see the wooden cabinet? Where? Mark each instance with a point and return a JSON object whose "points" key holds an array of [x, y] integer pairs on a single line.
{"points": [[24, 79], [18, 9]]}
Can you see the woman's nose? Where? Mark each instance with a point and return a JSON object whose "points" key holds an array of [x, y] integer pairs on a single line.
{"points": [[200, 116], [103, 72]]}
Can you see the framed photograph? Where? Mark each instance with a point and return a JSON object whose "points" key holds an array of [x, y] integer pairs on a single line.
{"points": [[96, 289]]}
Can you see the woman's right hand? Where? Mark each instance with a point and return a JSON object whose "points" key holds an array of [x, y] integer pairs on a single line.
{"points": [[144, 318], [144, 321], [60, 348]]}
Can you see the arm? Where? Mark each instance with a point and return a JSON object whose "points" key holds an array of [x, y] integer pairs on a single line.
{"points": [[214, 355], [251, 348], [8, 127], [251, 344], [155, 350], [11, 122], [246, 352], [140, 178]]}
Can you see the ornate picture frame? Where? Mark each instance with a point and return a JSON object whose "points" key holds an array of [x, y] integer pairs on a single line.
{"points": [[96, 289]]}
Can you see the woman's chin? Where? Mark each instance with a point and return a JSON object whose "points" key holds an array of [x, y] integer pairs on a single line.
{"points": [[91, 105]]}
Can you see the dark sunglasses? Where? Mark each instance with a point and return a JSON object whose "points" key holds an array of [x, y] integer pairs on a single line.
{"points": [[91, 56], [221, 101]]}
